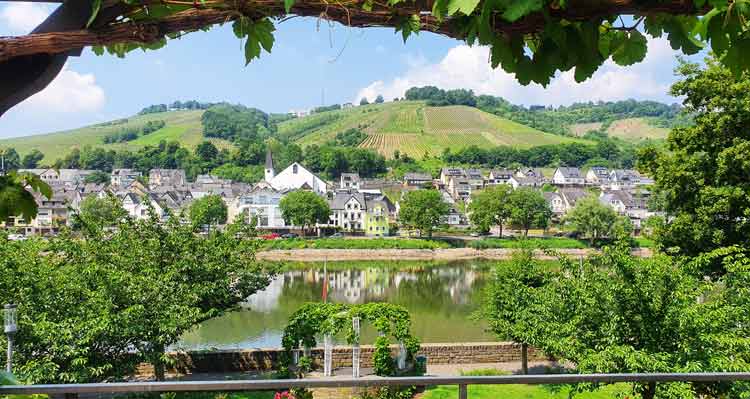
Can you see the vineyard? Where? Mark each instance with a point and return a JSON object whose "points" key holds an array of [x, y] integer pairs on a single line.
{"points": [[413, 145]]}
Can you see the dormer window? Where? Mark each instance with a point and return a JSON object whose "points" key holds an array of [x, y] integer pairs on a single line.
{"points": [[294, 169]]}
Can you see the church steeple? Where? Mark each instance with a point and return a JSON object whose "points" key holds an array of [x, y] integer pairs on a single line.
{"points": [[270, 173]]}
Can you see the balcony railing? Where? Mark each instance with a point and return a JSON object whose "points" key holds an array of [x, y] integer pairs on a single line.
{"points": [[70, 390]]}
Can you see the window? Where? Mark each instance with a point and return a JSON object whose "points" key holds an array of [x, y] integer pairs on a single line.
{"points": [[294, 169]]}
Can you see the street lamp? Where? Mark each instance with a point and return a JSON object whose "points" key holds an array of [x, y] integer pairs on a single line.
{"points": [[11, 326]]}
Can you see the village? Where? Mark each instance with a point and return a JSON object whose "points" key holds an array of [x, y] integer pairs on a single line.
{"points": [[358, 206]]}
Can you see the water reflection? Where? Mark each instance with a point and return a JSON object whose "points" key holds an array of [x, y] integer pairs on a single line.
{"points": [[440, 298]]}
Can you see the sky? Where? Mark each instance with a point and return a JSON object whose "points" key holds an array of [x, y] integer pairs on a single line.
{"points": [[312, 63]]}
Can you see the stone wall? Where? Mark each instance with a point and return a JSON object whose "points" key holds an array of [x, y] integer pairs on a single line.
{"points": [[222, 361]]}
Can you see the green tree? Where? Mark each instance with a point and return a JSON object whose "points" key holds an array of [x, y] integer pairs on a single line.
{"points": [[592, 218], [490, 207], [379, 99], [98, 212], [208, 211], [529, 209], [98, 176], [701, 176], [423, 210], [32, 159], [515, 302], [304, 208], [10, 159], [363, 101]]}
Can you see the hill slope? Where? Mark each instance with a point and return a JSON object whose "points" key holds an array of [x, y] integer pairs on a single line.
{"points": [[630, 129], [413, 128], [182, 126]]}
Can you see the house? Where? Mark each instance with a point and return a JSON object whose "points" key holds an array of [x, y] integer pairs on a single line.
{"points": [[52, 213], [294, 177], [530, 181], [301, 113], [260, 202], [166, 177], [555, 202], [56, 177], [446, 174], [624, 179], [347, 105], [565, 176], [530, 172], [630, 203], [459, 189], [570, 196], [349, 181], [499, 176], [211, 185], [347, 211], [597, 175], [454, 217], [475, 178], [378, 216], [413, 179], [123, 177]]}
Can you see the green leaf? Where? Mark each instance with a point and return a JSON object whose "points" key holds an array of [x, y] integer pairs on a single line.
{"points": [[465, 6], [95, 6], [409, 25], [632, 49], [239, 27], [518, 9], [98, 50], [288, 5]]}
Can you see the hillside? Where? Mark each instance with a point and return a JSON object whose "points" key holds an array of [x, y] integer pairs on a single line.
{"points": [[182, 126], [414, 128], [630, 129]]}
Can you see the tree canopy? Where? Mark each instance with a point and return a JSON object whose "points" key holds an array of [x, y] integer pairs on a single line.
{"points": [[304, 208], [490, 208], [423, 210]]}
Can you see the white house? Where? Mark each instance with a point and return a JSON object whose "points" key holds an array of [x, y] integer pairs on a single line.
{"points": [[565, 176], [123, 177], [294, 177], [60, 176], [597, 175], [499, 176], [446, 174], [556, 203], [349, 181], [348, 211], [166, 177], [260, 202]]}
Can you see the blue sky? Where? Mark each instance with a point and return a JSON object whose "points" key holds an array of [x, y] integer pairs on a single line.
{"points": [[309, 59]]}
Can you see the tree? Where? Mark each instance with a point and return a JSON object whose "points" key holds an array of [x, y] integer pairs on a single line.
{"points": [[363, 101], [10, 159], [304, 208], [515, 303], [491, 208], [32, 159], [528, 209], [616, 313], [701, 177], [98, 212], [592, 218], [207, 211], [98, 177], [423, 210], [379, 99]]}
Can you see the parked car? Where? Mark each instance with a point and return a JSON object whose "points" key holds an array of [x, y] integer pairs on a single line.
{"points": [[336, 235], [271, 236], [289, 235]]}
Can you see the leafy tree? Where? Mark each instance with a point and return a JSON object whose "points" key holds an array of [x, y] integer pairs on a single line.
{"points": [[98, 212], [98, 177], [702, 174], [233, 122], [10, 159], [379, 99], [304, 208], [32, 159], [207, 211], [363, 101], [515, 301], [244, 174], [592, 218], [490, 207], [529, 209], [423, 210], [93, 308], [207, 152]]}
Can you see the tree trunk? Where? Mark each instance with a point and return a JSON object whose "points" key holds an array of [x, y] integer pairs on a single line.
{"points": [[500, 234], [649, 392], [526, 232], [524, 358], [158, 362]]}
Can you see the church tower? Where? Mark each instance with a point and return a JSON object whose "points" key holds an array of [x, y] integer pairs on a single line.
{"points": [[270, 173]]}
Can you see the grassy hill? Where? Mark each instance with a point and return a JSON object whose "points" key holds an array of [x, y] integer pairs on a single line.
{"points": [[630, 129], [413, 128], [182, 126]]}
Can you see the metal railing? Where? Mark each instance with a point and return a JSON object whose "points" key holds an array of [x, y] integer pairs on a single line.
{"points": [[277, 385]]}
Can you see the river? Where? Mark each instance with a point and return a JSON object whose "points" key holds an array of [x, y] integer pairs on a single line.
{"points": [[439, 296]]}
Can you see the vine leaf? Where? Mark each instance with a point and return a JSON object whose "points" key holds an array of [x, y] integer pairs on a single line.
{"points": [[258, 34], [632, 49], [95, 6], [409, 25], [288, 5], [465, 6], [519, 9]]}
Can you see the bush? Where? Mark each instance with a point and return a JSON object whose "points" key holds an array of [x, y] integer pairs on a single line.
{"points": [[552, 242]]}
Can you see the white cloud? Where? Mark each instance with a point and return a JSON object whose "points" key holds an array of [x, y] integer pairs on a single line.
{"points": [[469, 67], [21, 18], [70, 92]]}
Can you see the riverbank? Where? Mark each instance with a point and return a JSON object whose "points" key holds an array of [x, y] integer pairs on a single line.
{"points": [[441, 254]]}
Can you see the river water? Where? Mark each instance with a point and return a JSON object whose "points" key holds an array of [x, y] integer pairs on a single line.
{"points": [[439, 296]]}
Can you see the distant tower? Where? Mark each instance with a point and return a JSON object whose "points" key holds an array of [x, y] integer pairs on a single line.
{"points": [[269, 166]]}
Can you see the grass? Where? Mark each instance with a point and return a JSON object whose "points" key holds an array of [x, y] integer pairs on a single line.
{"points": [[551, 242], [343, 243], [525, 392], [636, 129]]}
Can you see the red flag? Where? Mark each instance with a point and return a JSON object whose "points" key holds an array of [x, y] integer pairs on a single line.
{"points": [[325, 283]]}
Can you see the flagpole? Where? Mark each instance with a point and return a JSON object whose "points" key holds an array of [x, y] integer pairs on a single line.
{"points": [[325, 279]]}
